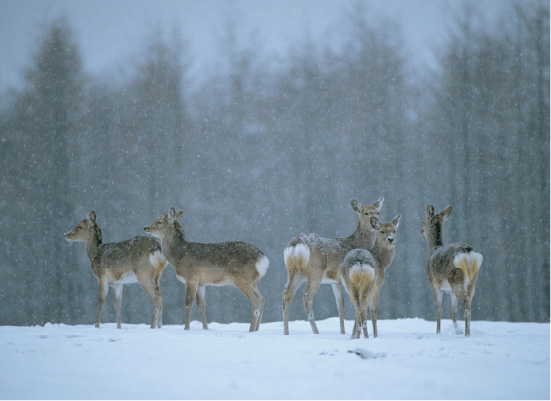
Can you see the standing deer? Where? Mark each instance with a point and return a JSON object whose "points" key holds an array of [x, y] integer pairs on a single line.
{"points": [[452, 268], [117, 263], [363, 273], [197, 265], [317, 261]]}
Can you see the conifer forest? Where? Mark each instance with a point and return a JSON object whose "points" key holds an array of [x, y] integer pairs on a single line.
{"points": [[263, 149]]}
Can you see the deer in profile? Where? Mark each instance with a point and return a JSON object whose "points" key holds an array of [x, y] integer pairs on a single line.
{"points": [[452, 268], [197, 265], [317, 260], [363, 273], [114, 264]]}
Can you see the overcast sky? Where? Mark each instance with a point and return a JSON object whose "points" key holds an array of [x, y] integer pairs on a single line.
{"points": [[111, 32]]}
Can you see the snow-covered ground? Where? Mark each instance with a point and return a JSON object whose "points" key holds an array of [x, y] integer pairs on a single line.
{"points": [[499, 361]]}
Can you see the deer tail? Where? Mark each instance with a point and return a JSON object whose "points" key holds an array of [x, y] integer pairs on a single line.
{"points": [[468, 262], [362, 274], [262, 265], [296, 256]]}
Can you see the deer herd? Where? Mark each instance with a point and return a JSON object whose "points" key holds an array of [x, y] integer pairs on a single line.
{"points": [[356, 263]]}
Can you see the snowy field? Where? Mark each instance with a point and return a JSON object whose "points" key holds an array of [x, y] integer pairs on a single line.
{"points": [[499, 361]]}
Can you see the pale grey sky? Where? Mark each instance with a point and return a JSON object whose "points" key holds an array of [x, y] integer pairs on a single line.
{"points": [[111, 32]]}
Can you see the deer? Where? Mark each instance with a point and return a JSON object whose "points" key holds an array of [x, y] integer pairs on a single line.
{"points": [[317, 260], [363, 273], [197, 265], [452, 268], [136, 260]]}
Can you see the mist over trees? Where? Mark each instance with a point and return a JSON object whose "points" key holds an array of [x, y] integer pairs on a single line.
{"points": [[260, 154]]}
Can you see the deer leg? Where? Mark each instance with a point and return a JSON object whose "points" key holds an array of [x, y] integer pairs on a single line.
{"points": [[467, 311], [312, 286], [373, 310], [258, 308], [191, 290], [363, 306], [350, 291], [261, 312], [257, 300], [117, 288], [158, 303], [293, 282], [201, 304], [467, 305], [438, 299], [357, 331], [339, 298], [154, 293], [355, 301], [358, 319], [467, 322], [453, 311], [103, 289], [364, 320], [158, 309]]}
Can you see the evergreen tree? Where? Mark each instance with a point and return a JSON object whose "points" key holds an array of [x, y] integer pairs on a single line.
{"points": [[44, 119]]}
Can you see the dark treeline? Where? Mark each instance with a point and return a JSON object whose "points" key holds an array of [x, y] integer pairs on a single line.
{"points": [[261, 154]]}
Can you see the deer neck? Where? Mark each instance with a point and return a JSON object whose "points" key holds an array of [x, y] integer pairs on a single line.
{"points": [[172, 243], [384, 254], [92, 247], [364, 236], [435, 238]]}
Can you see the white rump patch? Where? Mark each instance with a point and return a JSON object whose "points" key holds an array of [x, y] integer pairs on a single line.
{"points": [[361, 275], [471, 258], [156, 258], [362, 269], [298, 251], [477, 257], [468, 262], [262, 265]]}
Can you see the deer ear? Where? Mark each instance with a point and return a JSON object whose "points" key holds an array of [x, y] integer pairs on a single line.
{"points": [[179, 214], [396, 222], [356, 205], [172, 213], [379, 203], [375, 223], [446, 212], [91, 216], [430, 211]]}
